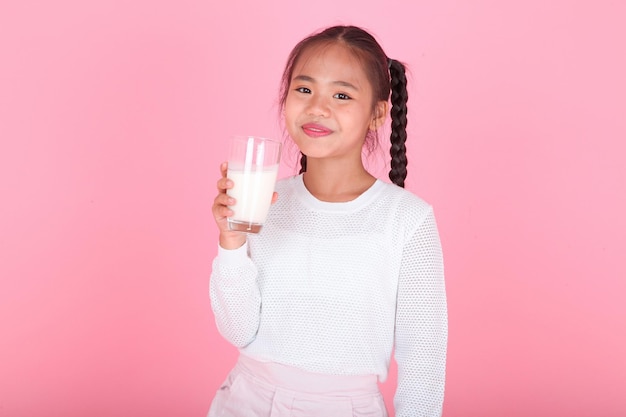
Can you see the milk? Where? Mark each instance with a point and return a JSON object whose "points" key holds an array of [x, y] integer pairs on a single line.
{"points": [[252, 190]]}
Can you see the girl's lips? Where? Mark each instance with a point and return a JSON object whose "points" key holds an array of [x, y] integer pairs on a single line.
{"points": [[314, 130]]}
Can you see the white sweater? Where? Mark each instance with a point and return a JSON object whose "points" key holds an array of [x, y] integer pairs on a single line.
{"points": [[331, 287]]}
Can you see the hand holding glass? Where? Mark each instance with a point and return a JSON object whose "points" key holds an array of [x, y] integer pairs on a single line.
{"points": [[252, 167]]}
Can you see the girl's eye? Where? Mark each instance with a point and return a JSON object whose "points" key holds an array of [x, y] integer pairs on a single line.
{"points": [[342, 96], [303, 90]]}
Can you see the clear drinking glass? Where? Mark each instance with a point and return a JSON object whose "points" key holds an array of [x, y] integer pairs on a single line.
{"points": [[253, 168]]}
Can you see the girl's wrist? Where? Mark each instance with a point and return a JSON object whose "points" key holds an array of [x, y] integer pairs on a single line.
{"points": [[232, 240]]}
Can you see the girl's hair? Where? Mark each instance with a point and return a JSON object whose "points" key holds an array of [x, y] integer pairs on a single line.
{"points": [[385, 75]]}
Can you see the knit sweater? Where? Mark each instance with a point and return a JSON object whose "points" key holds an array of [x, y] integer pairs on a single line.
{"points": [[335, 287]]}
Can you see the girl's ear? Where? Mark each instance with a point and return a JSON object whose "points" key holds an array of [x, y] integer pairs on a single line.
{"points": [[380, 115]]}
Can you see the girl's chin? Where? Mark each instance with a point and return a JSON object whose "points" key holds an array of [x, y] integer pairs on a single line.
{"points": [[311, 147]]}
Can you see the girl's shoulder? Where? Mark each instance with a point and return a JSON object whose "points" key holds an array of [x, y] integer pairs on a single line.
{"points": [[404, 205], [404, 198]]}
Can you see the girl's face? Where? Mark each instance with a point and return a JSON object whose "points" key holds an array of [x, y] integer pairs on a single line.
{"points": [[329, 106]]}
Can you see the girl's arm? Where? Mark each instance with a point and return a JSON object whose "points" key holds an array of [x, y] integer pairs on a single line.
{"points": [[235, 296], [421, 325]]}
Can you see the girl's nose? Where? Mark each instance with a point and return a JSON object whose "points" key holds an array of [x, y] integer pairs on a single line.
{"points": [[318, 106]]}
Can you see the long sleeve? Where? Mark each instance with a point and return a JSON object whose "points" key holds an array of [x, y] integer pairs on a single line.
{"points": [[421, 325], [235, 297]]}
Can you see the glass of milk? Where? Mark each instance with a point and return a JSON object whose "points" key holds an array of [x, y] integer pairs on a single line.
{"points": [[252, 167]]}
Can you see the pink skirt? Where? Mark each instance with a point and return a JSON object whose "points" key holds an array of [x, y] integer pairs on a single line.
{"points": [[268, 389]]}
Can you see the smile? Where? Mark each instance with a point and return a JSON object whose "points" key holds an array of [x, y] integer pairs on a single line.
{"points": [[315, 130]]}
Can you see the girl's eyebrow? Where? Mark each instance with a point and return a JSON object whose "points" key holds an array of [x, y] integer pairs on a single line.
{"points": [[306, 78]]}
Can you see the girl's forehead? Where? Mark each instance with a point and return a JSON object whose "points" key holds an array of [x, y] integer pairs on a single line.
{"points": [[330, 58]]}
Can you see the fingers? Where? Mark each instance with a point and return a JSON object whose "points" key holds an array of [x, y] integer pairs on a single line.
{"points": [[221, 202], [221, 213], [224, 183]]}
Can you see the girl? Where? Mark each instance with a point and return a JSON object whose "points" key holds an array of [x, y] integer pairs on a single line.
{"points": [[347, 268]]}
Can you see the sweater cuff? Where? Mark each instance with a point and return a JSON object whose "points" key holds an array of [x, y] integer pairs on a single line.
{"points": [[232, 256]]}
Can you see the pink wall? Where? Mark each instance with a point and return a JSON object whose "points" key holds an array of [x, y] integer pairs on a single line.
{"points": [[113, 117]]}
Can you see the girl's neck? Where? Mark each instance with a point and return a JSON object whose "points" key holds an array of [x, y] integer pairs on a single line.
{"points": [[334, 183]]}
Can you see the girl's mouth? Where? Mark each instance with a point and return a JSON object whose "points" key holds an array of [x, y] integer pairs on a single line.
{"points": [[315, 130]]}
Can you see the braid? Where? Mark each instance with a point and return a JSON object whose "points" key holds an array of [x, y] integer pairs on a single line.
{"points": [[302, 163], [399, 98]]}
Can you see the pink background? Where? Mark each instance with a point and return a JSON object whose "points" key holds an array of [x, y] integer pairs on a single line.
{"points": [[113, 119]]}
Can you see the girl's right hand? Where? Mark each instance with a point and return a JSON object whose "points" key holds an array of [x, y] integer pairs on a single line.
{"points": [[228, 239]]}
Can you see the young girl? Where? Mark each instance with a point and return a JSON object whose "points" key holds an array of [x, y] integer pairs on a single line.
{"points": [[347, 268]]}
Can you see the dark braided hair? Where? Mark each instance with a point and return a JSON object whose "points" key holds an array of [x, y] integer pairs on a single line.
{"points": [[302, 163], [399, 98], [386, 76]]}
